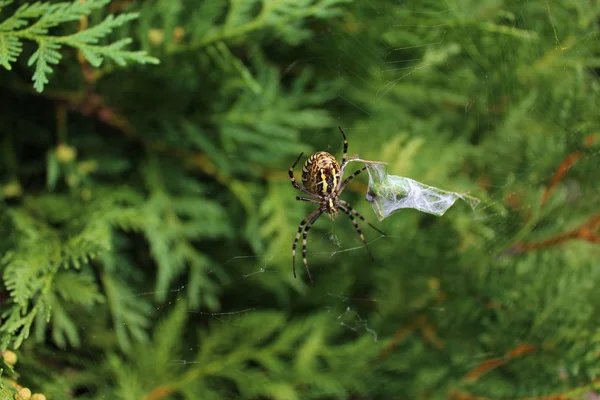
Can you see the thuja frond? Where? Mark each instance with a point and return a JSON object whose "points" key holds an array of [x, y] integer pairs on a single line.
{"points": [[32, 22], [78, 288], [174, 223], [63, 328], [17, 322], [262, 354], [27, 266], [27, 273], [4, 3], [130, 313], [30, 270], [54, 234], [269, 120], [165, 349], [238, 20], [6, 392], [216, 27], [71, 291]]}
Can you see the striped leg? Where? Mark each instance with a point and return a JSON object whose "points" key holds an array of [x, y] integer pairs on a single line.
{"points": [[293, 180], [303, 229], [345, 149], [348, 179], [307, 199], [354, 212], [358, 230]]}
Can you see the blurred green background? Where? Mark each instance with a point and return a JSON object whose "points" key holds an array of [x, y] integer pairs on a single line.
{"points": [[147, 216]]}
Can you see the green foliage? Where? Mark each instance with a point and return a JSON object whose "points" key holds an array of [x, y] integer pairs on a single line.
{"points": [[147, 217], [173, 223], [31, 268], [33, 22], [213, 22], [295, 359]]}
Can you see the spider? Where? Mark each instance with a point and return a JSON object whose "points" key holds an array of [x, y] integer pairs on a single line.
{"points": [[322, 180]]}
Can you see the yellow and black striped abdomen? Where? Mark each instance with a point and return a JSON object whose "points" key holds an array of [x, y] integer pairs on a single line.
{"points": [[321, 173]]}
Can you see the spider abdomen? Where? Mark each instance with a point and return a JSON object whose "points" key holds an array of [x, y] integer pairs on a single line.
{"points": [[321, 173]]}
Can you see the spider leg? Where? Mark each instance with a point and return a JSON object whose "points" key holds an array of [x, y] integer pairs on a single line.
{"points": [[293, 180], [348, 179], [303, 229], [358, 230], [307, 199], [354, 212], [345, 149]]}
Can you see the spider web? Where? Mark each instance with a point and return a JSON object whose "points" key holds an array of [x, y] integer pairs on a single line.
{"points": [[402, 185], [335, 244], [400, 194]]}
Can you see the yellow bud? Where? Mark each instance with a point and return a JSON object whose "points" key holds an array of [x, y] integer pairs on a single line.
{"points": [[86, 194], [178, 34], [87, 167], [434, 284], [156, 36], [23, 394], [72, 180], [10, 357], [38, 396], [12, 189], [65, 153]]}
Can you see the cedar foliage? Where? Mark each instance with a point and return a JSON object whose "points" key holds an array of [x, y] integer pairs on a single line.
{"points": [[147, 217]]}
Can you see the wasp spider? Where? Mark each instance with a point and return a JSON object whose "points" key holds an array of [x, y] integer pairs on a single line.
{"points": [[322, 179]]}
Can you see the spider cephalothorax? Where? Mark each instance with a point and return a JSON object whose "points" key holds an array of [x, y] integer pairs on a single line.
{"points": [[322, 179]]}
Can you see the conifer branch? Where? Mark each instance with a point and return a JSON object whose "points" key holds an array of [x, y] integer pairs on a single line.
{"points": [[491, 364], [279, 15], [32, 22], [179, 178], [91, 105], [578, 393], [401, 333], [563, 168], [425, 328], [585, 232]]}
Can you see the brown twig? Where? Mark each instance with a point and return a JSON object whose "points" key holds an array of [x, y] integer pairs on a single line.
{"points": [[456, 395], [426, 329], [401, 334], [571, 394], [159, 393], [520, 350], [564, 167], [92, 105], [494, 363], [489, 365], [120, 5], [585, 232], [560, 173]]}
